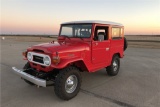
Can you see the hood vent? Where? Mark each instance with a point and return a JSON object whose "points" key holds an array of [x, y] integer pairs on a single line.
{"points": [[37, 50]]}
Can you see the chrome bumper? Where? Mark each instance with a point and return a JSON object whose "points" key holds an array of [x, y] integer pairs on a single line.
{"points": [[33, 79]]}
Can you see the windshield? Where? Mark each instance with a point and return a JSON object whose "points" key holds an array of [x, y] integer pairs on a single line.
{"points": [[76, 30]]}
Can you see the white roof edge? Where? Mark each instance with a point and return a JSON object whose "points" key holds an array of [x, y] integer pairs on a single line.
{"points": [[94, 21]]}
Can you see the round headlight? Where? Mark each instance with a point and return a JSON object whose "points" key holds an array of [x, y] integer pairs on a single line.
{"points": [[46, 60], [29, 56]]}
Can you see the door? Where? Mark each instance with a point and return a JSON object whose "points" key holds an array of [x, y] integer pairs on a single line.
{"points": [[100, 48]]}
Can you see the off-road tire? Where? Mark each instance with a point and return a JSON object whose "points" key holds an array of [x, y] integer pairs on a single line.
{"points": [[26, 66], [125, 44], [61, 79], [111, 69]]}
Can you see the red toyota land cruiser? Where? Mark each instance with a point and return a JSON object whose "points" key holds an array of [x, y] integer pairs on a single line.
{"points": [[81, 46]]}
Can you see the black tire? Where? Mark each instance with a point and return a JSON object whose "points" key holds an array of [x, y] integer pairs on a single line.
{"points": [[61, 82], [113, 69], [26, 66], [125, 44]]}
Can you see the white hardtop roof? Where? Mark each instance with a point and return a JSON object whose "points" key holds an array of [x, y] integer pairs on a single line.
{"points": [[94, 21]]}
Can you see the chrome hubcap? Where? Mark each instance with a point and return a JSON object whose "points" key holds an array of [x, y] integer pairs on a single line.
{"points": [[71, 84], [115, 65]]}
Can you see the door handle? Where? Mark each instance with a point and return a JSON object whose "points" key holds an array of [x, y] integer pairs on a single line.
{"points": [[107, 49], [96, 43]]}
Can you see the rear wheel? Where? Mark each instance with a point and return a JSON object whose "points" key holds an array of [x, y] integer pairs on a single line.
{"points": [[67, 83], [27, 66], [113, 69]]}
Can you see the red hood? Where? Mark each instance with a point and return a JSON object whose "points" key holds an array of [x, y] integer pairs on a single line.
{"points": [[61, 47]]}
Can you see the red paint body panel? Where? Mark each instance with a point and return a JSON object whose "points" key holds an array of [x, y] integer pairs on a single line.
{"points": [[87, 54]]}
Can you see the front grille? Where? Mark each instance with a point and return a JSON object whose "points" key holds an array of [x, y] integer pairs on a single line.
{"points": [[38, 59]]}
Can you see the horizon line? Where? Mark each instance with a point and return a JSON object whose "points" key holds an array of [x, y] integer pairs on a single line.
{"points": [[58, 35]]}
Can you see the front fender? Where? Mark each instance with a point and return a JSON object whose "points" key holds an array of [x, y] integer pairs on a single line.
{"points": [[64, 62]]}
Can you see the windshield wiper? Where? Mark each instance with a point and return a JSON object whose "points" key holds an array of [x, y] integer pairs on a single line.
{"points": [[78, 37], [66, 36], [81, 38]]}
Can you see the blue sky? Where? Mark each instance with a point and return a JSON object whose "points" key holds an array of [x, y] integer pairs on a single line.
{"points": [[45, 16]]}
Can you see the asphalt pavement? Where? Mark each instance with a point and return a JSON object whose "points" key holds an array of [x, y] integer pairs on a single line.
{"points": [[137, 84]]}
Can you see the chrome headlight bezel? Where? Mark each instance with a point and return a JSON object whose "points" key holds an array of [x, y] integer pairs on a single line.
{"points": [[46, 60], [29, 56]]}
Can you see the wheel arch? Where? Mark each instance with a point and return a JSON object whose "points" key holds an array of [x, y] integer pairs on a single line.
{"points": [[118, 54], [79, 64]]}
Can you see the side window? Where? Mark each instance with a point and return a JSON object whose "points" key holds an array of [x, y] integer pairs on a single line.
{"points": [[101, 30], [116, 33]]}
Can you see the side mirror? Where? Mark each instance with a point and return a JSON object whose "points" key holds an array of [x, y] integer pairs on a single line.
{"points": [[100, 37]]}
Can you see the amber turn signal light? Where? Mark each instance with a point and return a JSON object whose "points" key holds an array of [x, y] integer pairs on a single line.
{"points": [[24, 53], [56, 60]]}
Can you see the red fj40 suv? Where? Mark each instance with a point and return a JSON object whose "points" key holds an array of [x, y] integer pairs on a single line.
{"points": [[81, 46]]}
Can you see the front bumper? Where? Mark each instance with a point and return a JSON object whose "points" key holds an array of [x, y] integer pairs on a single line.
{"points": [[33, 79]]}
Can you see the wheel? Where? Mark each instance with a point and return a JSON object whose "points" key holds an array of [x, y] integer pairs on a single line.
{"points": [[26, 66], [67, 83], [125, 44], [113, 69]]}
